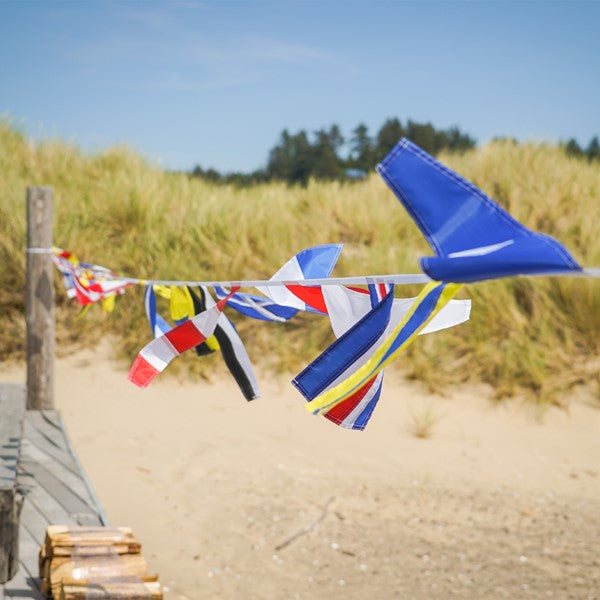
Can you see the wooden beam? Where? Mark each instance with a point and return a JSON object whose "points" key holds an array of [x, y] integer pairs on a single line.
{"points": [[39, 301], [12, 408]]}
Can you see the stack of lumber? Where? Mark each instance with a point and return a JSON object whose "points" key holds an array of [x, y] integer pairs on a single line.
{"points": [[95, 562]]}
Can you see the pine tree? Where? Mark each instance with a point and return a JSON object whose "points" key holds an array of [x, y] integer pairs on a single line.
{"points": [[593, 149]]}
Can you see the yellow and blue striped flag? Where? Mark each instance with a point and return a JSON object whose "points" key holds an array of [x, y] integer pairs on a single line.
{"points": [[358, 356]]}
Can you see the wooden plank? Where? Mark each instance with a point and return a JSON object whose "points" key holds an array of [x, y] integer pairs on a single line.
{"points": [[96, 502], [77, 590], [33, 520], [95, 568], [32, 454], [49, 507], [44, 422], [25, 584], [53, 418], [69, 540], [47, 444], [39, 292], [21, 586], [12, 409], [11, 422], [46, 429], [29, 552], [75, 507]]}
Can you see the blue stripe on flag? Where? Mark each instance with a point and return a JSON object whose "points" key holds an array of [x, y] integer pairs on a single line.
{"points": [[344, 351], [243, 303], [158, 325], [162, 325], [361, 421], [421, 314], [150, 306], [373, 294]]}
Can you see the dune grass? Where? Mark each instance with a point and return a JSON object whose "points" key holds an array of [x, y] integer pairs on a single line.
{"points": [[540, 336]]}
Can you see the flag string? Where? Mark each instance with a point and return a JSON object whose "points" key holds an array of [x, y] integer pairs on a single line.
{"points": [[396, 279]]}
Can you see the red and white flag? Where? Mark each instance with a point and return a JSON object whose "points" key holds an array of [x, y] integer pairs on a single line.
{"points": [[156, 355]]}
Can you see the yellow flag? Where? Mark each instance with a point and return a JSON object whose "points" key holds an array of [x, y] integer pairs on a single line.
{"points": [[108, 303], [182, 305]]}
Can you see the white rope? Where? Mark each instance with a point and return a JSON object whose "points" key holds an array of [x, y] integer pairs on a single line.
{"points": [[397, 279], [592, 272], [39, 251], [405, 278]]}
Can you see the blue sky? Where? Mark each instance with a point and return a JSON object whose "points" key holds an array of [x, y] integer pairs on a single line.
{"points": [[214, 83]]}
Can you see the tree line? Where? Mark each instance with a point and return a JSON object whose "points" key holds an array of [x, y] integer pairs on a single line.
{"points": [[591, 152], [327, 154]]}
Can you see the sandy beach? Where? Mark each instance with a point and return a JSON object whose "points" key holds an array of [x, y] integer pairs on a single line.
{"points": [[262, 500]]}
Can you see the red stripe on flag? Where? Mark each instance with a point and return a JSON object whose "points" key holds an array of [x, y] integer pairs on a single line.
{"points": [[309, 294], [312, 295], [81, 296], [185, 336], [142, 372], [357, 289], [339, 412]]}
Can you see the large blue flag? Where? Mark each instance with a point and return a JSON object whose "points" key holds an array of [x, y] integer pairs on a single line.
{"points": [[472, 236]]}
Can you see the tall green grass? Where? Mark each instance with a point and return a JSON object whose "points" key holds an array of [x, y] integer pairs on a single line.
{"points": [[537, 335]]}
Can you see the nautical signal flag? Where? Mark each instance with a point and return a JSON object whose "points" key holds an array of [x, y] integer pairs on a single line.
{"points": [[361, 353], [279, 304], [472, 236], [154, 357], [257, 307], [313, 263], [231, 346]]}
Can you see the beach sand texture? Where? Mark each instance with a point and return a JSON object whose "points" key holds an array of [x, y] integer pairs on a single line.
{"points": [[262, 500]]}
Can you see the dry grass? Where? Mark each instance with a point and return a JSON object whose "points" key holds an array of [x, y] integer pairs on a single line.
{"points": [[535, 335], [422, 420]]}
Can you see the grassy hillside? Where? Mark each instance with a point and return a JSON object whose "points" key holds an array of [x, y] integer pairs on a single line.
{"points": [[534, 334]]}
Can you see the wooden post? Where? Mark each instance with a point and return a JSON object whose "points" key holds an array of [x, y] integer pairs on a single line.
{"points": [[39, 301]]}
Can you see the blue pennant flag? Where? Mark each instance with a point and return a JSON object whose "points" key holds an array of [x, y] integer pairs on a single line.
{"points": [[472, 236]]}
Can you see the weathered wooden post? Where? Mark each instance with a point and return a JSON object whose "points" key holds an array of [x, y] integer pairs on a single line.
{"points": [[39, 301]]}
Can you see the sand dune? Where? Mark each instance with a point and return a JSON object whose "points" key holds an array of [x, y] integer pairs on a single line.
{"points": [[262, 500]]}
